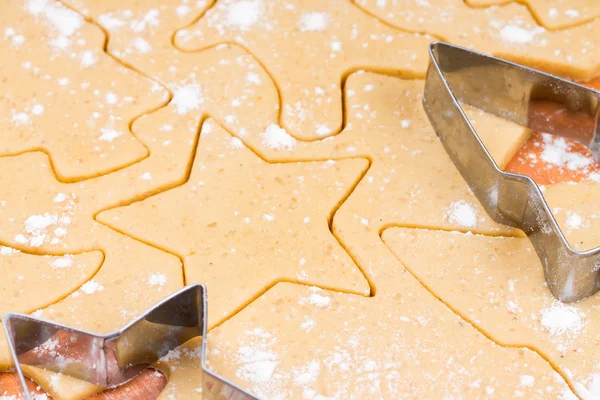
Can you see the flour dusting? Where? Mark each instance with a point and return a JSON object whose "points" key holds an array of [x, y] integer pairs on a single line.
{"points": [[462, 213], [276, 137]]}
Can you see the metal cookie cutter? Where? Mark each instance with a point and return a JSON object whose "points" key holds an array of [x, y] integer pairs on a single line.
{"points": [[513, 92], [114, 358]]}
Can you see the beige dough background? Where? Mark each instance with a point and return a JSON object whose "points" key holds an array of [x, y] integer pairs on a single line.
{"points": [[278, 152]]}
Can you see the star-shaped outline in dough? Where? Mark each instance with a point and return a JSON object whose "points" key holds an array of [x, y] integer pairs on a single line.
{"points": [[284, 235]]}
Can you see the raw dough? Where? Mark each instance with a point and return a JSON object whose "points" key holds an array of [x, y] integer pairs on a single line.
{"points": [[238, 214], [63, 94], [507, 31], [227, 83], [302, 342], [575, 207], [308, 47], [412, 181], [24, 274], [498, 284], [57, 218], [183, 371], [554, 14]]}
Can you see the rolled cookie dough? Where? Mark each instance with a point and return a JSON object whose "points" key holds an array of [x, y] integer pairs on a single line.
{"points": [[508, 31], [309, 47], [498, 284], [64, 95]]}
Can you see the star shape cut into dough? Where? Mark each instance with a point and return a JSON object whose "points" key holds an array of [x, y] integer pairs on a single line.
{"points": [[499, 284], [553, 14], [241, 224], [64, 95], [507, 31], [415, 331], [308, 47]]}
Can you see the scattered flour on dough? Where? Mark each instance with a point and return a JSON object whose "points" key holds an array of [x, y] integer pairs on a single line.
{"points": [[188, 98], [258, 361], [574, 220], [109, 134], [517, 35], [243, 14], [276, 137], [562, 320], [91, 287], [157, 280], [64, 21], [7, 251], [62, 262], [462, 213], [313, 22]]}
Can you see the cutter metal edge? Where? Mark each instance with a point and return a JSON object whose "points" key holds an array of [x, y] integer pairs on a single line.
{"points": [[118, 356], [512, 91]]}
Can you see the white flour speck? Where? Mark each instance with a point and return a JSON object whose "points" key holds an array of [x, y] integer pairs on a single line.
{"points": [[276, 137], [313, 22], [574, 220], [88, 59], [59, 198], [37, 109], [237, 143], [64, 21], [462, 213], [141, 45], [268, 217], [109, 134], [527, 380], [571, 13], [516, 34], [319, 300], [188, 98], [157, 279], [562, 319], [109, 22], [243, 14], [323, 130], [7, 251], [91, 287], [62, 262], [253, 78]]}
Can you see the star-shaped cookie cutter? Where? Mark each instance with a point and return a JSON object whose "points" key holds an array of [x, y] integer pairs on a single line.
{"points": [[114, 358], [513, 92]]}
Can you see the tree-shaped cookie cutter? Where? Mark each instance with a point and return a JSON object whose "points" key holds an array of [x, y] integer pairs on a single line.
{"points": [[457, 75], [114, 358]]}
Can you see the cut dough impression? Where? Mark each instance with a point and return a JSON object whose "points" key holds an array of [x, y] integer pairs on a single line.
{"points": [[64, 95], [57, 218], [238, 214], [224, 81], [412, 181], [508, 31], [308, 47], [553, 14], [303, 342], [499, 285], [24, 274]]}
